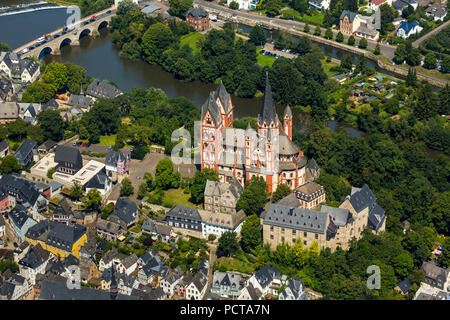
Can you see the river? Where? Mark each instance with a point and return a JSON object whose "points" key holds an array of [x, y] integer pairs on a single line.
{"points": [[101, 60]]}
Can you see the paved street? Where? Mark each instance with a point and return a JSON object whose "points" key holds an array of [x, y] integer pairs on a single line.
{"points": [[386, 49], [431, 33]]}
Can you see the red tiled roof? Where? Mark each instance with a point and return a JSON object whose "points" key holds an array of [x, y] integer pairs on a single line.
{"points": [[378, 2]]}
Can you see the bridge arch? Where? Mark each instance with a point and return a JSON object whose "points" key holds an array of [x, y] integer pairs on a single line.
{"points": [[102, 25], [65, 42], [44, 51], [84, 33]]}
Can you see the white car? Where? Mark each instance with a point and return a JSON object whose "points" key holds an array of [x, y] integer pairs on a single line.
{"points": [[24, 50]]}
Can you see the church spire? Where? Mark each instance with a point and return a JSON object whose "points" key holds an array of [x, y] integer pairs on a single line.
{"points": [[268, 113]]}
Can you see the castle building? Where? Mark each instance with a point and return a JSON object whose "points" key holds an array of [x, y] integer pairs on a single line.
{"points": [[268, 152]]}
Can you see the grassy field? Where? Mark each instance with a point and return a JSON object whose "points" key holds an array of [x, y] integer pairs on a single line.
{"points": [[264, 60], [233, 264], [177, 196], [315, 19], [327, 66], [191, 40], [107, 140]]}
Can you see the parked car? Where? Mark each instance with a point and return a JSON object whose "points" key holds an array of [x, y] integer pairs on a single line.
{"points": [[86, 22], [88, 144], [108, 12], [24, 50]]}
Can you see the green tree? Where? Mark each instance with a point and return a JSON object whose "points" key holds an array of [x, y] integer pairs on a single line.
{"points": [[149, 180], [228, 243], [340, 37], [257, 35], [328, 33], [127, 188], [93, 199], [142, 191], [234, 5], [347, 62], [155, 40], [199, 183], [413, 57], [55, 74], [445, 64], [50, 173], [304, 45], [445, 255], [38, 92], [17, 130], [306, 28], [282, 191], [180, 7], [400, 53], [363, 43], [52, 123], [76, 191], [411, 78], [351, 41], [254, 197], [9, 164], [272, 7], [251, 236], [4, 47], [430, 61], [165, 178], [403, 264], [317, 31], [377, 49]]}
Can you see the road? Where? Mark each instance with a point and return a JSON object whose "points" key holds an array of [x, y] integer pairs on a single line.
{"points": [[386, 49], [431, 33]]}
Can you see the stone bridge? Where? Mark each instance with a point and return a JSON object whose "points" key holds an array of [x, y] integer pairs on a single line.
{"points": [[58, 40]]}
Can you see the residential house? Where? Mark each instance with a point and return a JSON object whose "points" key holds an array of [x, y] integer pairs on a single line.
{"points": [[109, 230], [126, 211], [147, 257], [185, 219], [266, 280], [6, 87], [111, 258], [197, 288], [152, 272], [249, 292], [127, 265], [20, 222], [437, 10], [198, 18], [20, 70], [69, 160], [319, 5], [29, 111], [406, 29], [404, 286], [226, 284], [63, 213], [374, 4], [100, 89], [59, 239], [27, 152], [46, 147], [436, 276], [125, 282], [34, 262], [295, 290], [218, 223], [4, 201], [4, 148], [88, 269], [15, 288], [180, 287], [51, 104], [9, 111], [79, 101], [169, 282], [399, 5], [158, 230], [307, 196], [349, 22], [100, 182], [244, 4], [117, 164], [2, 226], [221, 196]]}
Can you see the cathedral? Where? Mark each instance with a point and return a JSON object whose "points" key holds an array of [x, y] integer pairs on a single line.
{"points": [[267, 152]]}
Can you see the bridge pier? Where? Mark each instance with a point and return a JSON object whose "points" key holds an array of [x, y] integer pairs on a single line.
{"points": [[56, 52], [75, 42]]}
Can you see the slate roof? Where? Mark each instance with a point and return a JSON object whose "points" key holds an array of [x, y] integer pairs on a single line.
{"points": [[226, 279], [35, 257], [7, 290], [217, 188], [268, 113], [362, 198], [290, 201], [113, 157], [405, 285], [68, 154], [52, 290], [109, 226], [47, 145], [211, 106], [180, 211], [63, 208], [437, 9], [99, 181], [17, 65], [340, 217], [25, 149], [295, 218], [266, 274], [56, 234], [296, 286], [198, 12], [79, 101], [9, 110], [101, 89], [126, 210], [51, 104], [4, 145], [434, 272], [351, 15], [309, 190], [286, 146], [254, 293], [17, 185], [18, 215]]}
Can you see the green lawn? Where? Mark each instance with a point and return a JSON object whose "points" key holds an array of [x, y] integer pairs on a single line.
{"points": [[233, 264], [315, 19], [264, 60], [107, 140], [327, 66], [177, 196], [191, 40]]}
